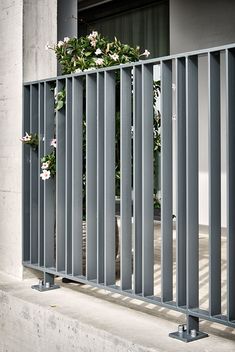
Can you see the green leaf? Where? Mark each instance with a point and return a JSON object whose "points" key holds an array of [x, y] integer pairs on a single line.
{"points": [[59, 105]]}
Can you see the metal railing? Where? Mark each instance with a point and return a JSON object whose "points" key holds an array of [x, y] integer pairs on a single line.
{"points": [[69, 202]]}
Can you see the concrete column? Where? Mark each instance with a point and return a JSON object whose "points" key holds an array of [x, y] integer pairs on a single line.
{"points": [[25, 27], [11, 58], [40, 28]]}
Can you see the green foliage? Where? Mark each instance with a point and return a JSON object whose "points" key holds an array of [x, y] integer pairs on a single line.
{"points": [[60, 98], [31, 139], [94, 51], [90, 53], [50, 160]]}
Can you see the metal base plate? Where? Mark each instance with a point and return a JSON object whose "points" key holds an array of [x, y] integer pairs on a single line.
{"points": [[187, 337], [43, 288]]}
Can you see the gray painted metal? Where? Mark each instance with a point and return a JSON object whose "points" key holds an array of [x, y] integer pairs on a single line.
{"points": [[136, 98], [68, 177], [34, 177], [77, 197], [214, 183], [91, 177], [49, 186], [126, 180], [166, 180], [60, 184], [230, 89], [26, 178], [154, 61], [192, 181], [147, 180], [40, 181], [109, 178], [181, 183], [137, 178], [100, 177]]}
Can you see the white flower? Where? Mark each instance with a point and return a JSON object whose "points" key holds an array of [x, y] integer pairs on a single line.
{"points": [[93, 42], [55, 92], [60, 44], [66, 39], [98, 51], [145, 53], [78, 70], [53, 143], [45, 165], [26, 138], [92, 35], [115, 57], [45, 175], [99, 62]]}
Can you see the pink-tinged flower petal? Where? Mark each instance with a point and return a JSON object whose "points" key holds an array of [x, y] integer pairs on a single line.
{"points": [[45, 165], [66, 39], [93, 42], [26, 138], [92, 35], [98, 51], [60, 44], [45, 175], [115, 57], [53, 143], [145, 53], [99, 62]]}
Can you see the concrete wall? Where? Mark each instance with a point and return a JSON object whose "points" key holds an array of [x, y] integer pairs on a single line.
{"points": [[38, 21], [40, 28], [197, 25], [11, 56]]}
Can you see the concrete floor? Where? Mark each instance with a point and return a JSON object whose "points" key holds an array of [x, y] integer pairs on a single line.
{"points": [[85, 318], [203, 266]]}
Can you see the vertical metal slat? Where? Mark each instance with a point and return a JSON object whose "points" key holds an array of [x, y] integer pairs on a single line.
{"points": [[109, 178], [60, 184], [126, 202], [181, 184], [49, 185], [40, 181], [34, 177], [137, 177], [100, 177], [214, 184], [192, 181], [68, 177], [26, 178], [147, 180], [230, 90], [77, 145], [91, 168], [166, 180]]}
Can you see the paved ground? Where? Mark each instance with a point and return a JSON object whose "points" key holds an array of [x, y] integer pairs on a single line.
{"points": [[84, 318]]}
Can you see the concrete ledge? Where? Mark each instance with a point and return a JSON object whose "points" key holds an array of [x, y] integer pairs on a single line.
{"points": [[75, 318]]}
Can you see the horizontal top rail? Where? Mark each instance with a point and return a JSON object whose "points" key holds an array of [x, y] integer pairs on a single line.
{"points": [[153, 61]]}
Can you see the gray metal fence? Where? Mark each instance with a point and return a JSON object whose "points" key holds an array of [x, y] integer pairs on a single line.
{"points": [[56, 210]]}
